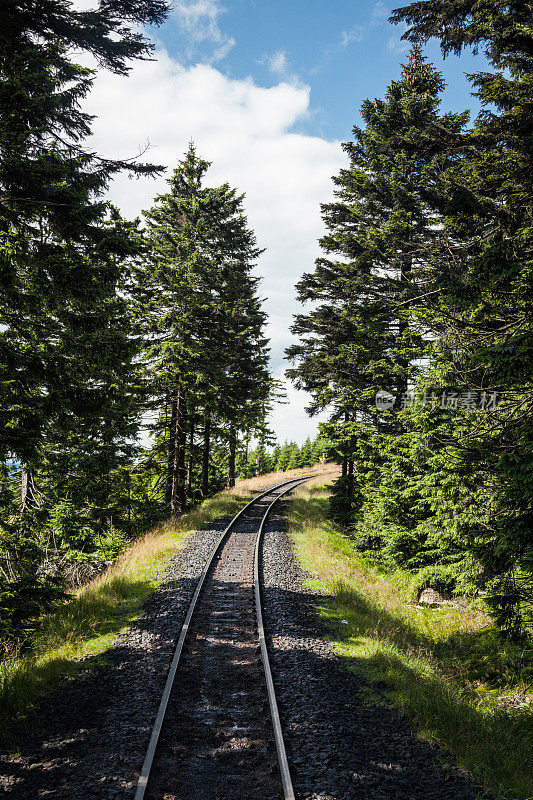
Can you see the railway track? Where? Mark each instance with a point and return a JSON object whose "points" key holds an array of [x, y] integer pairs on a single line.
{"points": [[217, 734]]}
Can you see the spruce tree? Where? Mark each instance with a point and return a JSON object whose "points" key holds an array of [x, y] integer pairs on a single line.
{"points": [[206, 353], [66, 353], [481, 279], [274, 456], [363, 334], [285, 456], [59, 240]]}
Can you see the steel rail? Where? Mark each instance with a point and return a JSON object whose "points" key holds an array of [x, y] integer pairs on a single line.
{"points": [[288, 791], [158, 724]]}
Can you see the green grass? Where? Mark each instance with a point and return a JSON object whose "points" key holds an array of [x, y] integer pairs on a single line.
{"points": [[88, 624], [447, 670]]}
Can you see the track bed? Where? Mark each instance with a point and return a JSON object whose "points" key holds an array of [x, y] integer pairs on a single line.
{"points": [[217, 739]]}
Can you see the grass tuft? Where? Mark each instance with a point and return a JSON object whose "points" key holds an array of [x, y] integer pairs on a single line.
{"points": [[447, 669]]}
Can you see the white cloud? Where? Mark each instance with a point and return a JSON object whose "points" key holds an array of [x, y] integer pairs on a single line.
{"points": [[277, 62], [289, 420], [357, 34], [397, 46], [380, 13], [247, 132], [84, 5], [199, 20], [395, 43]]}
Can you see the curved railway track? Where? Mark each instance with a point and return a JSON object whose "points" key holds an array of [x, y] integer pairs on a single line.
{"points": [[212, 738]]}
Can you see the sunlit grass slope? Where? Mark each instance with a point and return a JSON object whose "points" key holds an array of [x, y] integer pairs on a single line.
{"points": [[445, 668], [89, 622]]}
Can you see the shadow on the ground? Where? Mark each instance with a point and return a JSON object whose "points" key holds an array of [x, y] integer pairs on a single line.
{"points": [[88, 737]]}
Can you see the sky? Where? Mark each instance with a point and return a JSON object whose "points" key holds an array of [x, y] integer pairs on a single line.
{"points": [[268, 91]]}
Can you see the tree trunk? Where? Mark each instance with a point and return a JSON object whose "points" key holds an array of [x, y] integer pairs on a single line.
{"points": [[232, 453], [403, 327], [345, 457], [350, 478], [171, 450], [128, 481], [28, 497], [180, 495], [403, 324], [205, 454], [190, 463], [246, 443], [176, 457]]}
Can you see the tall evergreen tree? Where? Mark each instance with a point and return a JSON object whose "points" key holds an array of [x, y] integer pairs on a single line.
{"points": [[66, 350], [207, 354], [59, 243], [363, 336], [481, 280]]}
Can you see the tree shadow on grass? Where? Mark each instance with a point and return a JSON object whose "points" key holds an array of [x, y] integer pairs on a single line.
{"points": [[468, 655], [91, 727], [92, 731], [492, 744], [90, 734]]}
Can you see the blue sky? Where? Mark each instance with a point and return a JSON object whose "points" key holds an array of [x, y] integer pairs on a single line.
{"points": [[268, 91], [345, 51]]}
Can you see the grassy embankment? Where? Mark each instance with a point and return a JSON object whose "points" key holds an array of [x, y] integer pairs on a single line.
{"points": [[88, 624], [446, 668]]}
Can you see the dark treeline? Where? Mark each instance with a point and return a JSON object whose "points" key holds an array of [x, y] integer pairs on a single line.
{"points": [[424, 291], [110, 329]]}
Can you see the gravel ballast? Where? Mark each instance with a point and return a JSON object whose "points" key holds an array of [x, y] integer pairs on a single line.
{"points": [[341, 746], [88, 738]]}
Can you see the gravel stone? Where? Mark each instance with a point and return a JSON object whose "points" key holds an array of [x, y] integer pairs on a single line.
{"points": [[88, 737], [340, 745]]}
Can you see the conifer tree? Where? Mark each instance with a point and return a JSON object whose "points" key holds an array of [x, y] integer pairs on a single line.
{"points": [[285, 456], [275, 455], [66, 353], [59, 242], [207, 354], [480, 281], [363, 336]]}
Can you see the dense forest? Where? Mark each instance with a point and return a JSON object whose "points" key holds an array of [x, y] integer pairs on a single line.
{"points": [[111, 329], [419, 336], [134, 369]]}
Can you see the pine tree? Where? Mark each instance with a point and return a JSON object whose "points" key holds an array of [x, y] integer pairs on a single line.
{"points": [[295, 460], [481, 280], [66, 350], [53, 223], [275, 456], [364, 336], [207, 354], [285, 456], [306, 453], [320, 449]]}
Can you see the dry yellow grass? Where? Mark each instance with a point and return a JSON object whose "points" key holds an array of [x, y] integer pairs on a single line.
{"points": [[159, 544], [88, 624]]}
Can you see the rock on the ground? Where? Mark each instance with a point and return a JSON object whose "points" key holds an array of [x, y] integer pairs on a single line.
{"points": [[430, 597], [88, 738]]}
